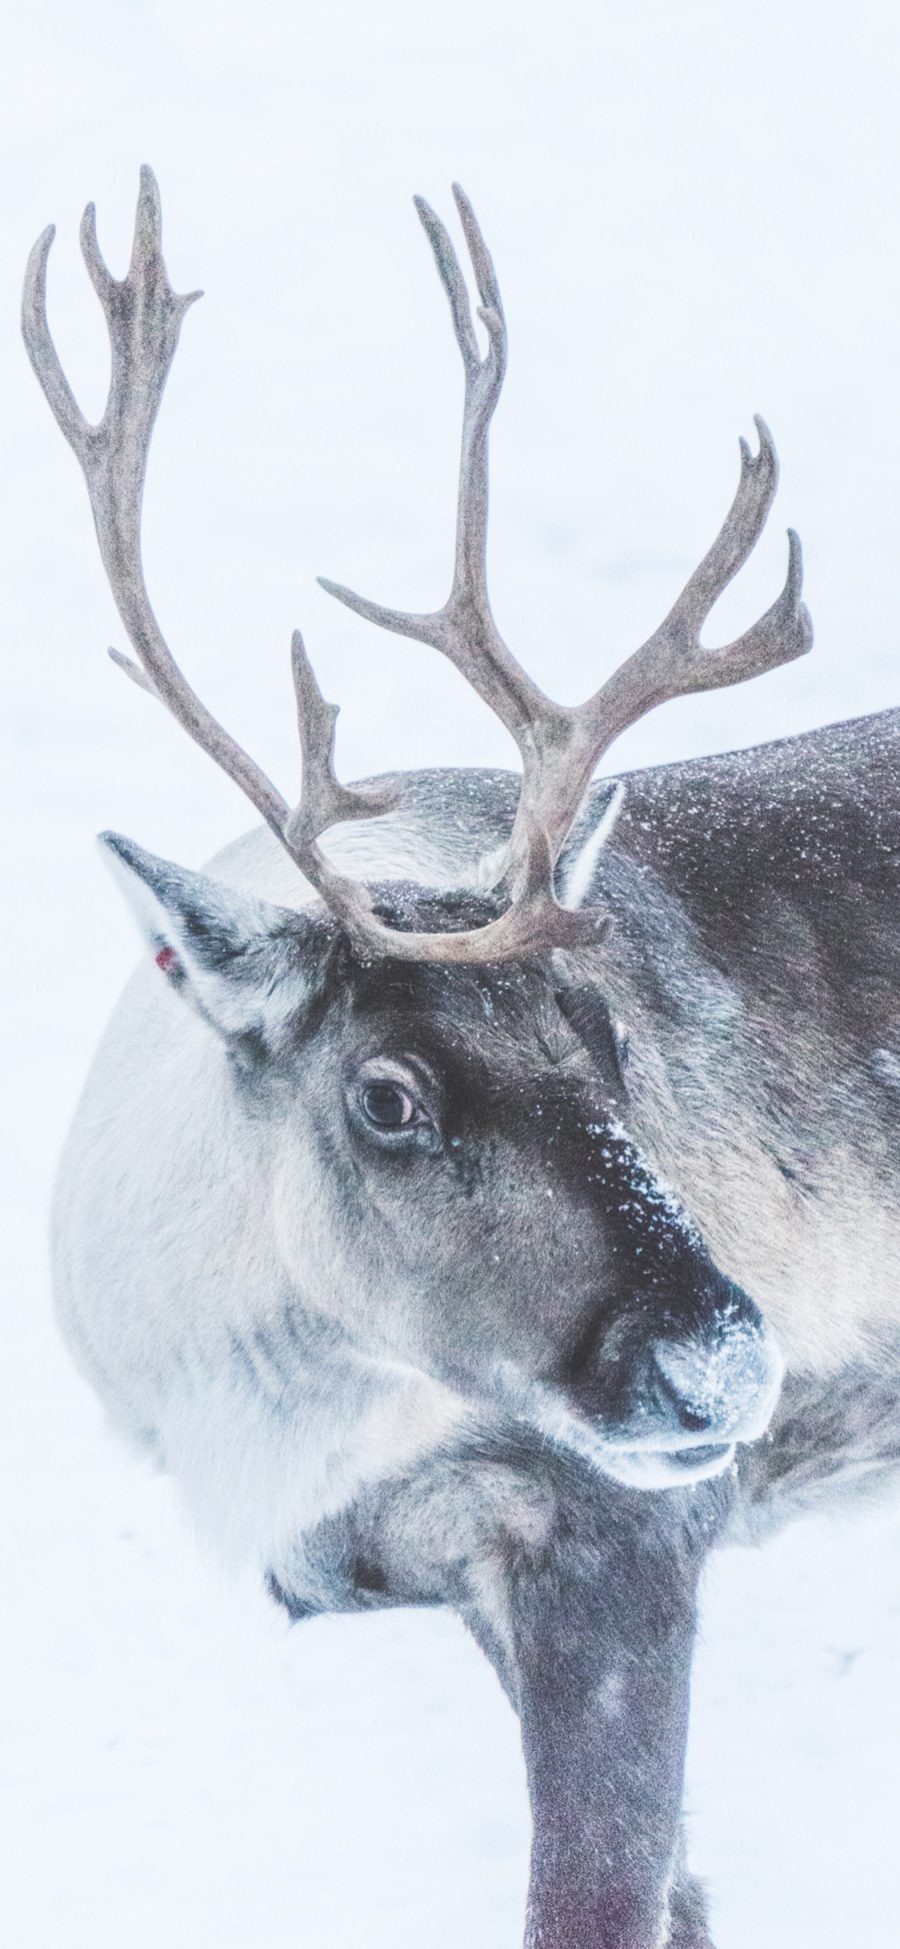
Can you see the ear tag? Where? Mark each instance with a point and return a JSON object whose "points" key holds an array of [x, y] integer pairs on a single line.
{"points": [[167, 961]]}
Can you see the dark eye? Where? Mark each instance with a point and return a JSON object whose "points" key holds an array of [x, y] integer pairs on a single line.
{"points": [[388, 1106]]}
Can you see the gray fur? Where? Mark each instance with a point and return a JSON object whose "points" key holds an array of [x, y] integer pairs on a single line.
{"points": [[443, 1429]]}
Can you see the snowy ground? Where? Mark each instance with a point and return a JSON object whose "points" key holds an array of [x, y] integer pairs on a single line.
{"points": [[694, 210]]}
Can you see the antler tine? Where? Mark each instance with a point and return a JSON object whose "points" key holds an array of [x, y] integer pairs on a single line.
{"points": [[673, 661], [42, 351], [97, 268], [450, 273], [482, 261], [324, 800]]}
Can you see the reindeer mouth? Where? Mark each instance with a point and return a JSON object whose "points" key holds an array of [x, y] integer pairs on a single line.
{"points": [[709, 1454], [667, 1468]]}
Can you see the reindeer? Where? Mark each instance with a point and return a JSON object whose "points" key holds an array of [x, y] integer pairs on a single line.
{"points": [[445, 1206]]}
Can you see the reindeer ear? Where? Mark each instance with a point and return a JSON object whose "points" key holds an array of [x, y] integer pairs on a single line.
{"points": [[244, 965], [579, 866]]}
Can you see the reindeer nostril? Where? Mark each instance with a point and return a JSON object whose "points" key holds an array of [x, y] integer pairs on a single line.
{"points": [[674, 1384], [691, 1418]]}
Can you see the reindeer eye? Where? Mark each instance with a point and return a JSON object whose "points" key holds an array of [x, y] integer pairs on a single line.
{"points": [[388, 1106]]}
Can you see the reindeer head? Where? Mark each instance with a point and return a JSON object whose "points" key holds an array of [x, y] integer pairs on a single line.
{"points": [[452, 1178]]}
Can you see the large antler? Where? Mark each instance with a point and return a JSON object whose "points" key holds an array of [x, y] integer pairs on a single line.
{"points": [[560, 747], [143, 316]]}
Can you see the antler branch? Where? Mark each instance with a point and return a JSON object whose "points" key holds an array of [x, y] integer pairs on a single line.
{"points": [[673, 661], [464, 629], [561, 747], [144, 316]]}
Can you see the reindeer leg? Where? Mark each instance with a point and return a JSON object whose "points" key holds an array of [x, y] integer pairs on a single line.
{"points": [[582, 1596], [688, 1924], [603, 1632]]}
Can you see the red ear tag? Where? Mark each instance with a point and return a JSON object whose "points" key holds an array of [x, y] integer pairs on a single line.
{"points": [[167, 960]]}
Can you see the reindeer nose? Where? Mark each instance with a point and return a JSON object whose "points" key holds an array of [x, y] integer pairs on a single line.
{"points": [[720, 1384]]}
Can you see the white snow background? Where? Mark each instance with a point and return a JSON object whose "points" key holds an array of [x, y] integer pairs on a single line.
{"points": [[695, 213]]}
